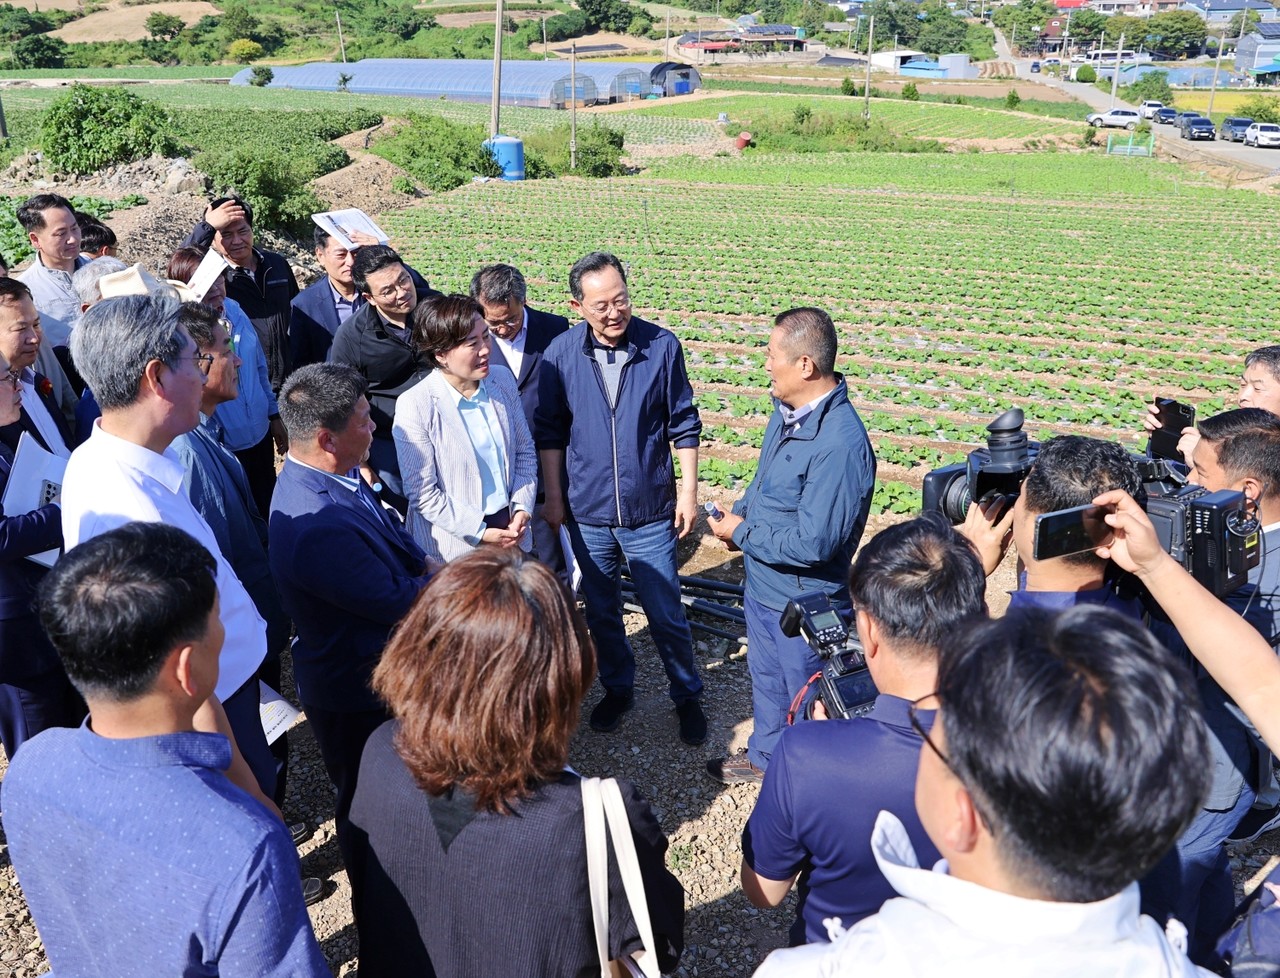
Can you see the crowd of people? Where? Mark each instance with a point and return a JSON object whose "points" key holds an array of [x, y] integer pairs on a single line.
{"points": [[1050, 792]]}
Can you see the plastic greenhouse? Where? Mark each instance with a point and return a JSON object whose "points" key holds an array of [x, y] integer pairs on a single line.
{"points": [[617, 81], [536, 84]]}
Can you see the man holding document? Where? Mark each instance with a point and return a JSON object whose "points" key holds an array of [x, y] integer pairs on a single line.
{"points": [[34, 690]]}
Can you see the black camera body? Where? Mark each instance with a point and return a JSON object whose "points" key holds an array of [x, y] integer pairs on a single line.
{"points": [[845, 687], [1000, 468]]}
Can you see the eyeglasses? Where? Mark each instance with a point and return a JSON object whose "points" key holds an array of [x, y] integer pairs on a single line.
{"points": [[618, 305], [204, 362], [403, 284], [507, 323], [15, 379]]}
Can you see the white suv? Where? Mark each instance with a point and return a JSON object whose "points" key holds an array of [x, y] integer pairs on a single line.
{"points": [[1148, 108], [1262, 134], [1115, 118]]}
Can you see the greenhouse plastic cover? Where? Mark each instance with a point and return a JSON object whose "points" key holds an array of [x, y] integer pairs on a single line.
{"points": [[523, 82]]}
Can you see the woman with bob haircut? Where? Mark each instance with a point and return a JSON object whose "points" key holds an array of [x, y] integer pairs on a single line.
{"points": [[467, 827], [466, 455]]}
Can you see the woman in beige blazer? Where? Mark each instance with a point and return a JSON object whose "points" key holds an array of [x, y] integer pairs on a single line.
{"points": [[466, 455]]}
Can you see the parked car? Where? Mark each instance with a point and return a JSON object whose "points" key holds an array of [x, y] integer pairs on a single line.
{"points": [[1183, 117], [1052, 61], [1233, 128], [1115, 119], [1035, 67], [1262, 134], [1148, 108], [1165, 116], [1199, 128]]}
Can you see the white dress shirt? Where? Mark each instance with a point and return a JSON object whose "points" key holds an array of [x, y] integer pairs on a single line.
{"points": [[946, 926], [513, 349], [110, 482], [41, 417]]}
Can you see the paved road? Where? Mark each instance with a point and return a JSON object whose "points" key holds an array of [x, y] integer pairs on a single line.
{"points": [[1228, 154]]}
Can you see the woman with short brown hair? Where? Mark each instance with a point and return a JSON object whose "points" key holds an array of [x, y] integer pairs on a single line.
{"points": [[468, 827]]}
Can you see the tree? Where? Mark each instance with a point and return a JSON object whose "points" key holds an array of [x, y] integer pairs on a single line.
{"points": [[1152, 85], [1024, 20], [237, 21], [1086, 75], [608, 15], [894, 17], [261, 76], [1251, 18], [1087, 26], [1176, 32], [942, 34], [1261, 108], [90, 127], [1012, 100], [15, 22], [773, 12], [164, 27], [40, 51], [910, 93], [243, 51], [1134, 30]]}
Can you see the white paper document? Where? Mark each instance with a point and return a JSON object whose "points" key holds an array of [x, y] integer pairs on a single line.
{"points": [[34, 481], [210, 268], [277, 713], [341, 224]]}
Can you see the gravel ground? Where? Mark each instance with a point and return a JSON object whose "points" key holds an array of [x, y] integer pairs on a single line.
{"points": [[725, 936]]}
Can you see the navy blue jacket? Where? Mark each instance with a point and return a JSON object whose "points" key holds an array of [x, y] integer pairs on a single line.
{"points": [[618, 460], [313, 320], [807, 506], [541, 329], [346, 577], [24, 649]]}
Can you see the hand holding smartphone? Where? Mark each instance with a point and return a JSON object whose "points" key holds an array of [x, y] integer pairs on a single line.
{"points": [[1172, 416]]}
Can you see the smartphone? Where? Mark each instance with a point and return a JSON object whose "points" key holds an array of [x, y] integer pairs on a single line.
{"points": [[1173, 417], [1071, 531]]}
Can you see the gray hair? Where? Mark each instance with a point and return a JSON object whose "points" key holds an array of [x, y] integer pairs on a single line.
{"points": [[809, 333], [86, 278], [498, 283], [1267, 357], [320, 395], [118, 337]]}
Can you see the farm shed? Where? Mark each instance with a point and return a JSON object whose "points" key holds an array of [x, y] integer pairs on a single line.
{"points": [[1258, 48], [617, 81], [922, 68], [535, 84], [674, 78]]}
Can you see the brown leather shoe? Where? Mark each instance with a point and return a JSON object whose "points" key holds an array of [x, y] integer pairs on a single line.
{"points": [[735, 769]]}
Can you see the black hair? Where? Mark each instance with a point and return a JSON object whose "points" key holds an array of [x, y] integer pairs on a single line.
{"points": [[233, 199], [31, 211], [116, 606], [919, 580], [1247, 442], [499, 283], [597, 261], [1073, 470], [1266, 356], [4, 263], [319, 238], [809, 333], [94, 235], [13, 289], [1081, 740], [370, 259], [320, 395], [201, 323]]}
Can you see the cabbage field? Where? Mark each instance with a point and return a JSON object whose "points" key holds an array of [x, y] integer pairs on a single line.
{"points": [[1074, 286]]}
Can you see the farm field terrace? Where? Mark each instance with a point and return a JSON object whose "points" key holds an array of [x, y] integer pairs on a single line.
{"points": [[1075, 287]]}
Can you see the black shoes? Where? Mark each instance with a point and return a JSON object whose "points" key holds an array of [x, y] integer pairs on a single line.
{"points": [[693, 722], [1255, 822], [608, 712]]}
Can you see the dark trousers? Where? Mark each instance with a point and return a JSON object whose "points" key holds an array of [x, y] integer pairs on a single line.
{"points": [[36, 703], [260, 467], [246, 723], [341, 737]]}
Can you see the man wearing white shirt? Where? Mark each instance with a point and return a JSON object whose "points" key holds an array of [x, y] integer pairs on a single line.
{"points": [[148, 377], [1065, 758], [520, 336], [20, 340]]}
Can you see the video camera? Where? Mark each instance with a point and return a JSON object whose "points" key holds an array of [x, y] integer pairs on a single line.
{"points": [[1209, 533], [845, 687]]}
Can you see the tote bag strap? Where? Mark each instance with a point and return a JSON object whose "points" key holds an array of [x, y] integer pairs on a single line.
{"points": [[624, 848], [593, 820]]}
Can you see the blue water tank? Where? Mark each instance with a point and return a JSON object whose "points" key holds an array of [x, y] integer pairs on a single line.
{"points": [[509, 152]]}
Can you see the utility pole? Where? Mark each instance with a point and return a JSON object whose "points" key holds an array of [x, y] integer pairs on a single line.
{"points": [[1115, 75], [573, 106], [866, 90], [497, 68], [341, 43], [545, 53], [666, 44]]}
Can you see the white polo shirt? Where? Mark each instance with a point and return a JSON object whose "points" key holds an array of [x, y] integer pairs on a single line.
{"points": [[111, 482]]}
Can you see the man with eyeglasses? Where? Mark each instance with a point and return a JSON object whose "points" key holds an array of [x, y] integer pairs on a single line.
{"points": [[520, 338], [149, 377], [913, 585], [376, 341], [1066, 755], [613, 399]]}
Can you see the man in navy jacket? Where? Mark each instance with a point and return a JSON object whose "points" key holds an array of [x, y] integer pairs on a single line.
{"points": [[613, 397], [521, 336], [799, 521], [346, 570]]}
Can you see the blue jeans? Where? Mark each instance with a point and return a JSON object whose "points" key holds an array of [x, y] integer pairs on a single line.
{"points": [[1193, 882], [780, 667], [650, 552]]}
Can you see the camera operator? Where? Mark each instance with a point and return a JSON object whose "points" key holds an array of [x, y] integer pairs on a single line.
{"points": [[1069, 471], [1237, 450], [913, 584], [1259, 388], [799, 521]]}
